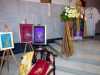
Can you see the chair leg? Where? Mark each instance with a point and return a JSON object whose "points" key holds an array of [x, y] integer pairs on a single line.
{"points": [[2, 62], [54, 66]]}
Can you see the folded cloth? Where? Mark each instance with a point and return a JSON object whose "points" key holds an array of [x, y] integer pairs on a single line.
{"points": [[40, 68]]}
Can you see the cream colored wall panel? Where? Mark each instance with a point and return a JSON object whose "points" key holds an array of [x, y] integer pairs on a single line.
{"points": [[38, 1], [58, 1]]}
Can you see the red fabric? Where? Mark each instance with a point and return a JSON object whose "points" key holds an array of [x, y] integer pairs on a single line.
{"points": [[40, 68]]}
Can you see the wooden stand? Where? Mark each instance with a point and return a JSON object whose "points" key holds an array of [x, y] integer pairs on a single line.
{"points": [[5, 59], [28, 44]]}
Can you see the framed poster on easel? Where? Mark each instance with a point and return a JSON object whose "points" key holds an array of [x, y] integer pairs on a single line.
{"points": [[26, 35], [6, 45], [6, 40]]}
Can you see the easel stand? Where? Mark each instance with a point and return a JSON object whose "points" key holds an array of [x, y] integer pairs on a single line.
{"points": [[5, 59], [7, 51], [28, 44]]}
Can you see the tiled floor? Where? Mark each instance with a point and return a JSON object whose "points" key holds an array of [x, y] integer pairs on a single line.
{"points": [[85, 60]]}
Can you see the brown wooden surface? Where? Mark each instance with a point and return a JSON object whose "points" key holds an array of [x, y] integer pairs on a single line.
{"points": [[45, 1]]}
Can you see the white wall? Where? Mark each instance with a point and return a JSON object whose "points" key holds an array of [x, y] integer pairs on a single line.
{"points": [[13, 12], [95, 14]]}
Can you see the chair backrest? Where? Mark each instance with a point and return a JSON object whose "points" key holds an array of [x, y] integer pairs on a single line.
{"points": [[44, 55]]}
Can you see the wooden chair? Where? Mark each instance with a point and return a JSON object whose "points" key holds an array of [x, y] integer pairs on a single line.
{"points": [[32, 60], [44, 56]]}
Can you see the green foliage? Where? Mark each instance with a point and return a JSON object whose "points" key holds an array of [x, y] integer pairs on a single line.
{"points": [[63, 16]]}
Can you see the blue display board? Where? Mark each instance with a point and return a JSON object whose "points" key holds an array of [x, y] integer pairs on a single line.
{"points": [[6, 40]]}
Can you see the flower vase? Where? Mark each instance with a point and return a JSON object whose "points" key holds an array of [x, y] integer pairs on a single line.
{"points": [[67, 39]]}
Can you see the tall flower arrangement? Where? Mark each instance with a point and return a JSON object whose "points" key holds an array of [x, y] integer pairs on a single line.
{"points": [[66, 16], [69, 13]]}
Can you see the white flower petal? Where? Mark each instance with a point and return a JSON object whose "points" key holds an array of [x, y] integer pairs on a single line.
{"points": [[66, 14]]}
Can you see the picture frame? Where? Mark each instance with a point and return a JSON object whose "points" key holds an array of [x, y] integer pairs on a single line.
{"points": [[39, 35], [26, 33], [6, 40]]}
